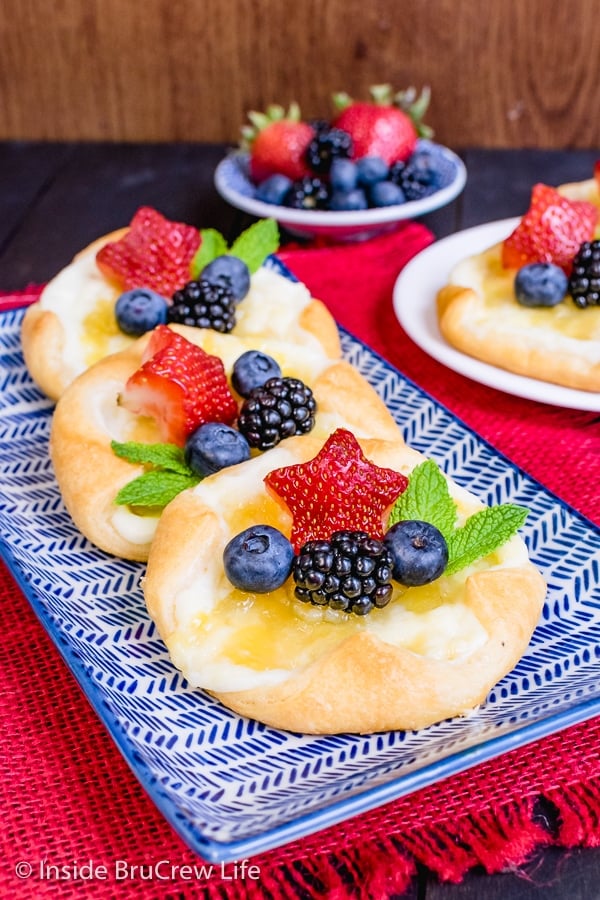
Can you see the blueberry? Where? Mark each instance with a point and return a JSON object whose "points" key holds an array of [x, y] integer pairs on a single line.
{"points": [[229, 272], [386, 193], [140, 310], [274, 189], [431, 158], [251, 370], [540, 284], [258, 559], [419, 552], [214, 446], [342, 201], [371, 169], [343, 175]]}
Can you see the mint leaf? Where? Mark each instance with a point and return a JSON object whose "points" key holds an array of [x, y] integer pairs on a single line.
{"points": [[169, 475], [256, 243], [212, 244], [427, 499], [162, 456], [155, 489], [483, 533]]}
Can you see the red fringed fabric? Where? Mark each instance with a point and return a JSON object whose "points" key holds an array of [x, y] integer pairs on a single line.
{"points": [[68, 796]]}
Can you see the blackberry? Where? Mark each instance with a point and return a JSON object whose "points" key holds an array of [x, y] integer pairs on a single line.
{"points": [[584, 283], [280, 408], [416, 182], [426, 171], [327, 145], [350, 572], [307, 193], [203, 305]]}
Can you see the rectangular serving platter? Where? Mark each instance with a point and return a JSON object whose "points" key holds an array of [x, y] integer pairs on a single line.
{"points": [[232, 787]]}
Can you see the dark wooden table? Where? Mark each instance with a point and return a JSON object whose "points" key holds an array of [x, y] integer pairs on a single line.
{"points": [[55, 198]]}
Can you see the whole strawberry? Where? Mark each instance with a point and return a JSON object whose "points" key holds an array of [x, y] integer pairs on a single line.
{"points": [[277, 141], [387, 126]]}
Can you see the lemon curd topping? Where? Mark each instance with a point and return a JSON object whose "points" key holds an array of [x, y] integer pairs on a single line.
{"points": [[486, 275], [99, 329], [277, 631]]}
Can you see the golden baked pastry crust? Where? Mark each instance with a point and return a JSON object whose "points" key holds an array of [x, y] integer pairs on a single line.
{"points": [[44, 330], [86, 419], [43, 333], [387, 686], [523, 350], [537, 343]]}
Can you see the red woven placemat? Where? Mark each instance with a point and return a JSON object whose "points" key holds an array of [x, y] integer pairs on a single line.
{"points": [[75, 814]]}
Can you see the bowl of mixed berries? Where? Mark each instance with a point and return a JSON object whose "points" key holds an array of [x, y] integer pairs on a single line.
{"points": [[356, 174]]}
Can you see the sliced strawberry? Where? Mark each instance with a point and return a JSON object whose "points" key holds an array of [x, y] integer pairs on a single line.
{"points": [[154, 253], [338, 489], [597, 172], [552, 230], [277, 141], [179, 385]]}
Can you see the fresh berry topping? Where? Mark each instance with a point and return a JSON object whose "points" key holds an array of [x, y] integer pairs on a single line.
{"points": [[251, 370], [597, 172], [280, 408], [327, 145], [258, 559], [552, 230], [584, 283], [419, 552], [154, 253], [215, 446], [274, 189], [338, 489], [277, 142], [308, 193], [540, 284], [351, 572], [371, 169], [348, 200], [229, 272], [179, 385], [140, 310], [386, 126], [203, 305]]}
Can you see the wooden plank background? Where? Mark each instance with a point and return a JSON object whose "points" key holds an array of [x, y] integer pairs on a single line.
{"points": [[503, 73]]}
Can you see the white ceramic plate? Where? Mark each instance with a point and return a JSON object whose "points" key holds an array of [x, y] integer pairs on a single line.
{"points": [[234, 185], [414, 304]]}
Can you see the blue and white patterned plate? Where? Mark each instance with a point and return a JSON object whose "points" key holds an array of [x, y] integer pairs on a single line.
{"points": [[232, 787], [233, 182]]}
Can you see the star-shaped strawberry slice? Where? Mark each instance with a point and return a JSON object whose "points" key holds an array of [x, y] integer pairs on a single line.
{"points": [[338, 489]]}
